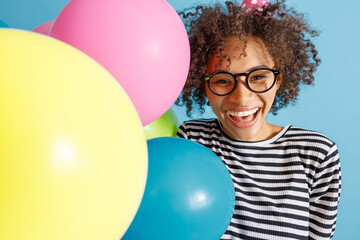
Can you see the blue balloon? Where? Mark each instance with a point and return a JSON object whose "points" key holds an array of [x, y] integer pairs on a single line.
{"points": [[189, 193], [3, 24]]}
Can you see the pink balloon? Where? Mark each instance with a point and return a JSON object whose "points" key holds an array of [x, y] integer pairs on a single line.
{"points": [[44, 28], [142, 43]]}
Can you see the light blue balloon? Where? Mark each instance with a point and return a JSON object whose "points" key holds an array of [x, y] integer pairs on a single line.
{"points": [[3, 24], [189, 193]]}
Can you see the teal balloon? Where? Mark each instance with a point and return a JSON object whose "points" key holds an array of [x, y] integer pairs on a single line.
{"points": [[189, 193], [3, 24]]}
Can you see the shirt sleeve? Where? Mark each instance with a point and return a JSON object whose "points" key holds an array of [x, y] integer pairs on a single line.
{"points": [[324, 196], [182, 131]]}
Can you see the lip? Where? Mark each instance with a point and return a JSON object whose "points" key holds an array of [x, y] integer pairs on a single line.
{"points": [[243, 124]]}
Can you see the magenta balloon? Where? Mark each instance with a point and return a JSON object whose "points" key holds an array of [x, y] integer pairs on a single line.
{"points": [[142, 43], [44, 28]]}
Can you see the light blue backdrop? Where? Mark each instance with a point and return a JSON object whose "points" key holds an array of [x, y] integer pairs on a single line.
{"points": [[330, 106]]}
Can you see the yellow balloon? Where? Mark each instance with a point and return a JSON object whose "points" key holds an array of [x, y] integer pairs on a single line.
{"points": [[164, 126], [73, 155]]}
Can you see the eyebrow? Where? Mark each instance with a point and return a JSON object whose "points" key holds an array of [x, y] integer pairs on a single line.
{"points": [[258, 67], [248, 70]]}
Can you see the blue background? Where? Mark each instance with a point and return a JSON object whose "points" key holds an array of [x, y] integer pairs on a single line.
{"points": [[330, 106]]}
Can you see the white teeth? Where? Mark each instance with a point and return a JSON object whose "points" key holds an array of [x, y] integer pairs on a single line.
{"points": [[243, 114]]}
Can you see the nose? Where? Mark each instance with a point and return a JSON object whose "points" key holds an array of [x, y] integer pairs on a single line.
{"points": [[241, 94]]}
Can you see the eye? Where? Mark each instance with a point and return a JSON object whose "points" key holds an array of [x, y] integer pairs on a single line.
{"points": [[221, 81], [261, 75], [257, 77]]}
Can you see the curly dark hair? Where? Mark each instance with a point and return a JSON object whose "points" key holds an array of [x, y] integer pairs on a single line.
{"points": [[284, 32]]}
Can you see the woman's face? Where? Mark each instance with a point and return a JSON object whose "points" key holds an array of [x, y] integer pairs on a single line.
{"points": [[253, 107]]}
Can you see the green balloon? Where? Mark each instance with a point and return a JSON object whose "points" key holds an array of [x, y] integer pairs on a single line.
{"points": [[165, 126]]}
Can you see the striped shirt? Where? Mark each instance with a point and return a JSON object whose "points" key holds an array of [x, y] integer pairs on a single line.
{"points": [[286, 187]]}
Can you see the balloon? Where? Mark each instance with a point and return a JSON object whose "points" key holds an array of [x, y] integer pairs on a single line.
{"points": [[3, 24], [73, 155], [165, 126], [142, 43], [189, 193], [44, 28]]}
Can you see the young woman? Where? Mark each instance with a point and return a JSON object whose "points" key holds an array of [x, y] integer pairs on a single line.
{"points": [[248, 60]]}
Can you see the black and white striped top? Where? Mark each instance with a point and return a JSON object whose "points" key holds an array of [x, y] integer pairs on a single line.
{"points": [[286, 187]]}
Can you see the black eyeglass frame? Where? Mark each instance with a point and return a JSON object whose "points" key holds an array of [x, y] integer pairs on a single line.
{"points": [[235, 76]]}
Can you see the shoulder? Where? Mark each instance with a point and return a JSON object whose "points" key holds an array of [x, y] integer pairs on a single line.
{"points": [[310, 142], [317, 152], [197, 127], [307, 136], [201, 123]]}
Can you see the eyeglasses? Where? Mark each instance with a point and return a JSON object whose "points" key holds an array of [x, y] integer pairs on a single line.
{"points": [[259, 80]]}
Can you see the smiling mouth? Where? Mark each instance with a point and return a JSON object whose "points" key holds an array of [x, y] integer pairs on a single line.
{"points": [[243, 116]]}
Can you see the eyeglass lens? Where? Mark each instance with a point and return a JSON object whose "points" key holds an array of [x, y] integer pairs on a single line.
{"points": [[259, 81]]}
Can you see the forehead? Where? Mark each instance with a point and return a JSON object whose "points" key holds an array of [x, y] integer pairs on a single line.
{"points": [[243, 55]]}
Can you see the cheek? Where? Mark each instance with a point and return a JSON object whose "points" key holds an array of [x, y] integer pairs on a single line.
{"points": [[214, 100], [210, 96], [278, 81], [207, 91], [268, 98]]}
